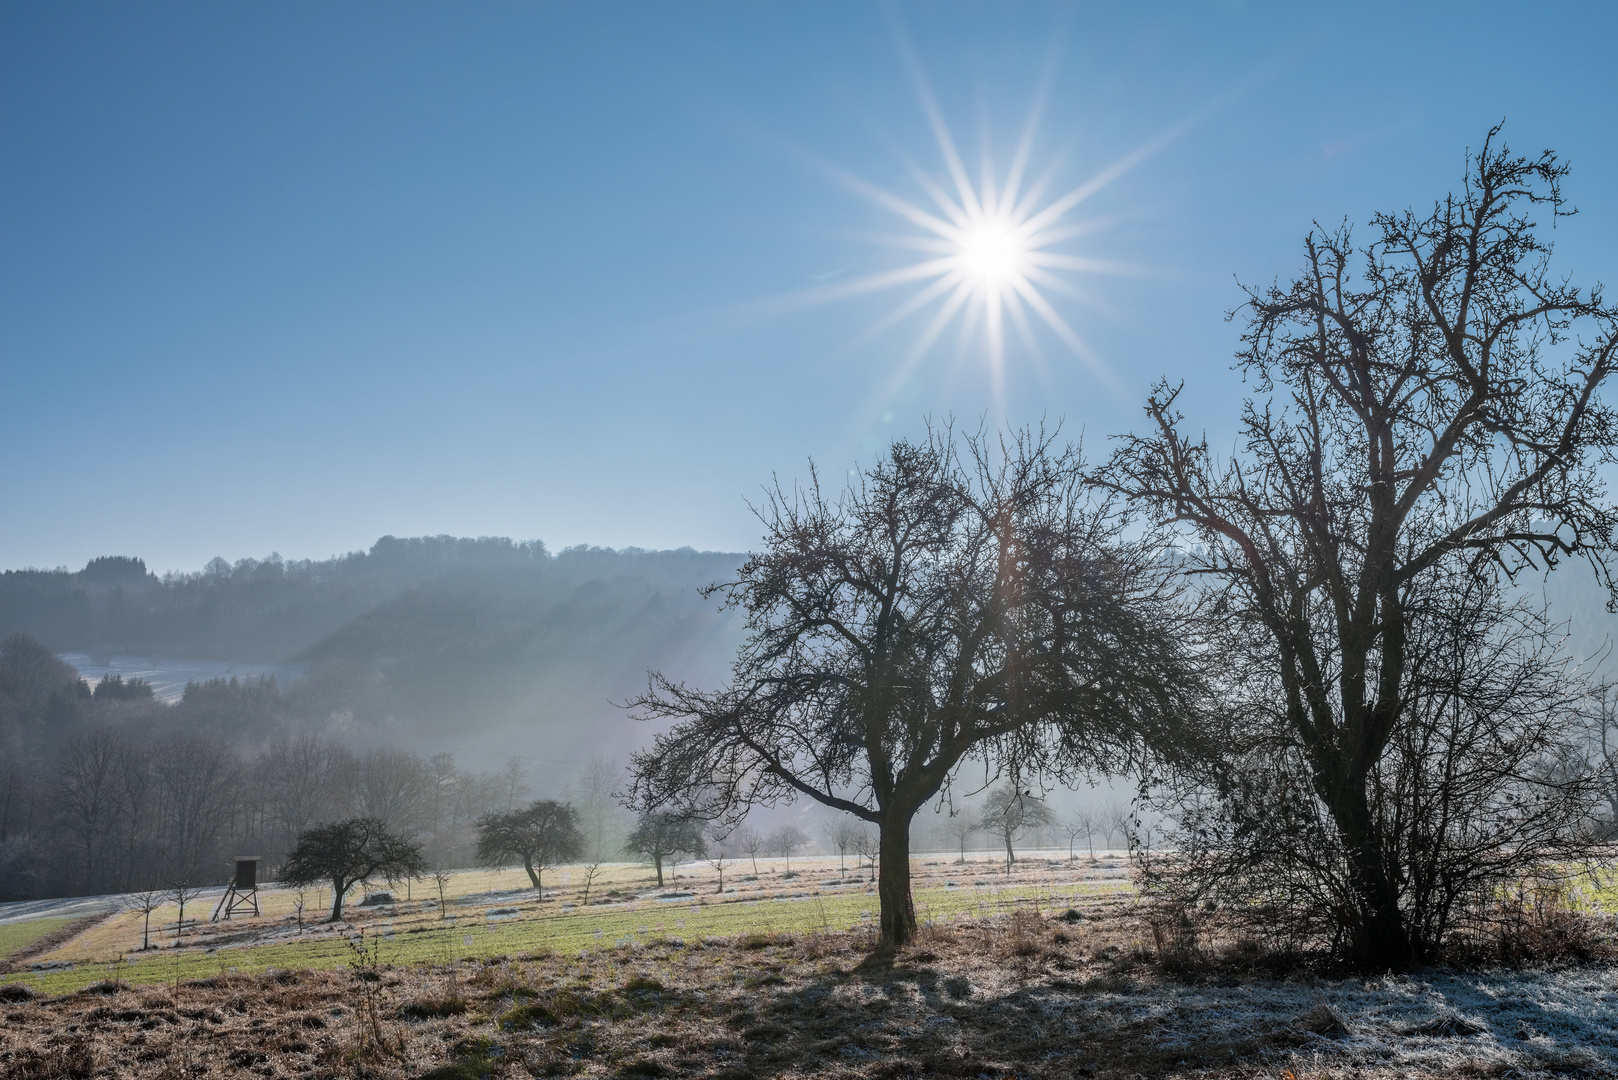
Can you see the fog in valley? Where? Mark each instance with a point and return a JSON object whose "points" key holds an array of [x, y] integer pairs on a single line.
{"points": [[432, 667], [152, 726]]}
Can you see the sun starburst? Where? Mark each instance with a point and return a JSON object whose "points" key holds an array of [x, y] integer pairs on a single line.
{"points": [[982, 256]]}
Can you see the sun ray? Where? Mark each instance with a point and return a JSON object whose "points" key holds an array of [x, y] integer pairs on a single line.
{"points": [[985, 246], [941, 133]]}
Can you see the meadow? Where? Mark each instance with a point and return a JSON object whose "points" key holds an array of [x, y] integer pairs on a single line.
{"points": [[491, 913], [992, 992]]}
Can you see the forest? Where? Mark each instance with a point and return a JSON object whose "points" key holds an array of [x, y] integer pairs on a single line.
{"points": [[132, 793], [430, 662]]}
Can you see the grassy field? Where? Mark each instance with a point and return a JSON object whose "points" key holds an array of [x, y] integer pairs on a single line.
{"points": [[1020, 994], [18, 936], [486, 919]]}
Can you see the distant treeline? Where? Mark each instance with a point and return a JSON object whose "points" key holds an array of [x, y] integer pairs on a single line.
{"points": [[136, 793]]}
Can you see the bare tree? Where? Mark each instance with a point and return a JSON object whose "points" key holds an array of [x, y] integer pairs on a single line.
{"points": [[1008, 813], [1074, 824], [1429, 404], [1604, 750], [300, 777], [749, 843], [138, 805], [944, 607], [718, 858], [394, 787], [349, 852], [440, 878], [787, 839], [840, 833], [600, 815], [869, 847], [86, 794], [182, 892], [1116, 821], [591, 871], [145, 903], [546, 833], [961, 827], [662, 835], [514, 783], [199, 779]]}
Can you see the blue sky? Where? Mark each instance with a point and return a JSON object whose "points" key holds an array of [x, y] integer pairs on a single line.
{"points": [[289, 277]]}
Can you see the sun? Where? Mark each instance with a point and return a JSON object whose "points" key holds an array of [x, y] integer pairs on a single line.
{"points": [[989, 257], [983, 257], [991, 253]]}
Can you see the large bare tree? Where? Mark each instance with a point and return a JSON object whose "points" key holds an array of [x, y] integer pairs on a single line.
{"points": [[1427, 407], [946, 606]]}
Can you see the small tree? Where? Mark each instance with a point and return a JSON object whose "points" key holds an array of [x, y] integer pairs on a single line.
{"points": [[1008, 813], [1117, 820], [1076, 824], [145, 903], [591, 871], [787, 839], [544, 834], [750, 843], [717, 858], [961, 827], [182, 892], [441, 886], [869, 847], [841, 834], [662, 835], [347, 853]]}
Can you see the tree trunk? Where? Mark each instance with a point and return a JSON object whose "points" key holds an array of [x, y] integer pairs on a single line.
{"points": [[893, 881], [528, 865], [657, 861], [1382, 939], [337, 891]]}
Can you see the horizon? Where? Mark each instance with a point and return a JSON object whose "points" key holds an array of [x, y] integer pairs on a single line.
{"points": [[369, 549]]}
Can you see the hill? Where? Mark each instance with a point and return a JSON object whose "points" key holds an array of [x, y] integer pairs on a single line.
{"points": [[473, 645]]}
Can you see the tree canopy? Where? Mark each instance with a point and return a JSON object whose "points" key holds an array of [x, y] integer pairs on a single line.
{"points": [[1009, 813], [946, 605], [544, 833], [661, 834], [346, 853], [1427, 423]]}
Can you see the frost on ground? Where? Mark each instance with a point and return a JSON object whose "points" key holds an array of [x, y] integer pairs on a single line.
{"points": [[1024, 995], [1462, 1023]]}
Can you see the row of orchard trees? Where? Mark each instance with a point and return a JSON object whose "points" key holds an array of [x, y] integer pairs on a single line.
{"points": [[1358, 728], [120, 814]]}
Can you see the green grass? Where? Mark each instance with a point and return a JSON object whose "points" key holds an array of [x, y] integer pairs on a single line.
{"points": [[573, 932], [17, 936]]}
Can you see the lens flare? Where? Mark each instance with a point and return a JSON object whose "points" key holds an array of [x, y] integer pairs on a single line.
{"points": [[985, 254], [982, 255]]}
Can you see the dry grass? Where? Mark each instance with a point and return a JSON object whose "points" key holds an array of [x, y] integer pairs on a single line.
{"points": [[1025, 995]]}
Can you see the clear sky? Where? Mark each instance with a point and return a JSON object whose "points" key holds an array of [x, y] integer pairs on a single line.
{"points": [[292, 276]]}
